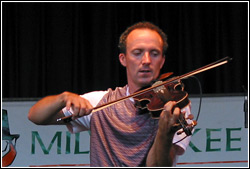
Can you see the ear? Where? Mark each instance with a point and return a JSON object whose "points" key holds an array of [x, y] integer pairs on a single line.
{"points": [[122, 58]]}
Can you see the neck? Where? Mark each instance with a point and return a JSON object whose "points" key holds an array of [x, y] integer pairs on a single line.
{"points": [[133, 88]]}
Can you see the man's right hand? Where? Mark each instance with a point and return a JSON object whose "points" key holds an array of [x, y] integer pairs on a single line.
{"points": [[80, 106]]}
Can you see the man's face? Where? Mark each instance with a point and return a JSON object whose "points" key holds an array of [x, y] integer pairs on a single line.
{"points": [[144, 57]]}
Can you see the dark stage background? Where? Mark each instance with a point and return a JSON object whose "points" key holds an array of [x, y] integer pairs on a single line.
{"points": [[48, 48]]}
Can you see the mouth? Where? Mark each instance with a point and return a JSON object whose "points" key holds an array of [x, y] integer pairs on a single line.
{"points": [[145, 71]]}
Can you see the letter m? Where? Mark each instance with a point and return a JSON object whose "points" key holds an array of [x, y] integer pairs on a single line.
{"points": [[35, 135]]}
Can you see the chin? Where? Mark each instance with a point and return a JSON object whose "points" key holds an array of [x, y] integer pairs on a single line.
{"points": [[144, 83]]}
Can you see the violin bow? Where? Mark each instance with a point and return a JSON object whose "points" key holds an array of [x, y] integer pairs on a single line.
{"points": [[186, 75]]}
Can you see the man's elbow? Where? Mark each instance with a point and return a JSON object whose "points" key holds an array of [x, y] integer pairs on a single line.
{"points": [[33, 117]]}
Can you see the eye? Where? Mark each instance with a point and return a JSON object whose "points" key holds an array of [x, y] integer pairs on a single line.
{"points": [[155, 53], [137, 52]]}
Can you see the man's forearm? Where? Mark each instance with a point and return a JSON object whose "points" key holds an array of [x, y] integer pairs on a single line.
{"points": [[46, 111], [164, 149], [162, 152]]}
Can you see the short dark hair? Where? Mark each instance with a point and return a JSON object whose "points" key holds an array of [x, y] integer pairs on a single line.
{"points": [[141, 25]]}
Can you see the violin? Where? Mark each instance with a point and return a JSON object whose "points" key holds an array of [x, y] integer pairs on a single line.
{"points": [[152, 99], [153, 102]]}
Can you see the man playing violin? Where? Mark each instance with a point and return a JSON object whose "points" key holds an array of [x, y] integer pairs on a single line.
{"points": [[120, 134]]}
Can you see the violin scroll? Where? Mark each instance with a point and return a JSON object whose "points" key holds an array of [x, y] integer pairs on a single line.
{"points": [[186, 128]]}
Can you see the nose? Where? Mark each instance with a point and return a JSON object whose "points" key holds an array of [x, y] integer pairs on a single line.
{"points": [[146, 58]]}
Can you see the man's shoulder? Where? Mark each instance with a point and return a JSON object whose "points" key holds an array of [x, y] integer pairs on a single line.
{"points": [[94, 97]]}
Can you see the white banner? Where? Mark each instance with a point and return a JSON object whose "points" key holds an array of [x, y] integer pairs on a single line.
{"points": [[220, 138]]}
